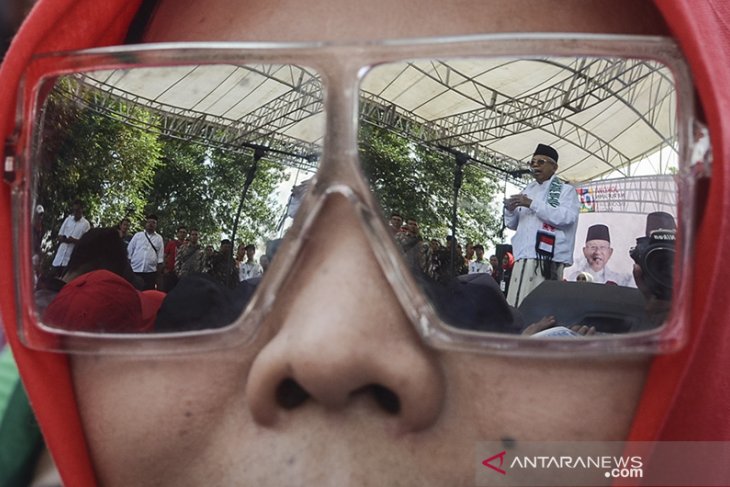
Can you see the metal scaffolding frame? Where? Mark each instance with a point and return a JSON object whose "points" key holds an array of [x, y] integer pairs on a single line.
{"points": [[191, 125], [591, 82]]}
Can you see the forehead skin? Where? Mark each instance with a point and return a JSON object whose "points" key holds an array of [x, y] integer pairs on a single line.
{"points": [[213, 418], [324, 20]]}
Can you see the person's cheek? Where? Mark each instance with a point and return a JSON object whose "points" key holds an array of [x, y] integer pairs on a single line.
{"points": [[490, 398], [148, 413]]}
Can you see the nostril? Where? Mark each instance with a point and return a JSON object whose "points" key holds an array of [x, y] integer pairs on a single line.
{"points": [[385, 398], [289, 394]]}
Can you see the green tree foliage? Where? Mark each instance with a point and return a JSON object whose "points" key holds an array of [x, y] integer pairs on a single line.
{"points": [[96, 158], [119, 159], [200, 187], [261, 212], [417, 181]]}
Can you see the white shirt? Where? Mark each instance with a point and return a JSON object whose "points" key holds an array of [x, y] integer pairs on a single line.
{"points": [[142, 257], [559, 220], [70, 228], [249, 270], [483, 267]]}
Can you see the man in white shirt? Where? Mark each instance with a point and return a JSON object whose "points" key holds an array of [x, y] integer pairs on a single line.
{"points": [[479, 265], [146, 254], [72, 228], [544, 216], [250, 268]]}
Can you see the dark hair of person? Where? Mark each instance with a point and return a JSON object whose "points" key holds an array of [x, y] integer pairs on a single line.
{"points": [[97, 249], [182, 227], [250, 247], [152, 216]]}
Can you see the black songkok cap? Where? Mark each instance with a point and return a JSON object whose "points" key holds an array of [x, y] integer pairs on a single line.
{"points": [[598, 232], [659, 219], [546, 150]]}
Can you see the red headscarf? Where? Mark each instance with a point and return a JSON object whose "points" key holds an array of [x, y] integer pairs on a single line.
{"points": [[687, 394], [510, 261]]}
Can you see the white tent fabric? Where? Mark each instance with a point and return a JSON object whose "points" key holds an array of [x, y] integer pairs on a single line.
{"points": [[602, 115]]}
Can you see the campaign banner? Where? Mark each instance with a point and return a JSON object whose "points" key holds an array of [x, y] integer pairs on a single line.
{"points": [[613, 214]]}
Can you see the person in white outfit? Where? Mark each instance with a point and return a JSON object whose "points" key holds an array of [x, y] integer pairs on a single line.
{"points": [[72, 228], [544, 215]]}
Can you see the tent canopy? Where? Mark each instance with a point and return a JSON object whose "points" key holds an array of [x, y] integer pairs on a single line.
{"points": [[603, 115]]}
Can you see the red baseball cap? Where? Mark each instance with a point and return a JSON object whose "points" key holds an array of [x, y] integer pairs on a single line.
{"points": [[103, 301]]}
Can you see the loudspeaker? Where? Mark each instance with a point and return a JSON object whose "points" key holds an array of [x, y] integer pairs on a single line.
{"points": [[611, 309], [503, 249]]}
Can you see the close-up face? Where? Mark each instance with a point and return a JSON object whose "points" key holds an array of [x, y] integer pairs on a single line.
{"points": [[124, 226], [194, 235], [597, 253], [396, 222], [250, 252], [181, 234], [337, 387], [413, 227], [493, 261], [77, 211], [543, 168]]}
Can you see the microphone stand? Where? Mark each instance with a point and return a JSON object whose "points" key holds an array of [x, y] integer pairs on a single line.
{"points": [[461, 160], [258, 153]]}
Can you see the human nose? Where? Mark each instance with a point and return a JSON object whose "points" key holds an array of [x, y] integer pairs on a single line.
{"points": [[340, 338]]}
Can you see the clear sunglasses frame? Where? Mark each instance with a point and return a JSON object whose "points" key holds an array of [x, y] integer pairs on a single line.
{"points": [[342, 68]]}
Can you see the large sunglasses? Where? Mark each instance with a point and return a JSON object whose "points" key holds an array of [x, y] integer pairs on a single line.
{"points": [[423, 139]]}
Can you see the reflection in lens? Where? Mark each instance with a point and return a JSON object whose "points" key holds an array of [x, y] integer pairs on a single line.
{"points": [[191, 176], [444, 142], [226, 152]]}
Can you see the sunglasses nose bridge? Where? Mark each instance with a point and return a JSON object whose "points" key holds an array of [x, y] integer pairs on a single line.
{"points": [[296, 368], [340, 166]]}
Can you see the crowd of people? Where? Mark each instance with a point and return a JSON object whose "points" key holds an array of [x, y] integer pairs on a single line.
{"points": [[442, 262], [154, 263], [544, 216]]}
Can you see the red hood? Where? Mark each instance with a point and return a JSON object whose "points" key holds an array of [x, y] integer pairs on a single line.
{"points": [[510, 261], [687, 394]]}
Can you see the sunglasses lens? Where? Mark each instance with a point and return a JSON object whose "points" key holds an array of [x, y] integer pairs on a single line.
{"points": [[222, 150], [442, 144], [227, 151]]}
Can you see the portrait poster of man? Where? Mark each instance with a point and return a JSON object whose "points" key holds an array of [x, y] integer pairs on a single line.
{"points": [[613, 215]]}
